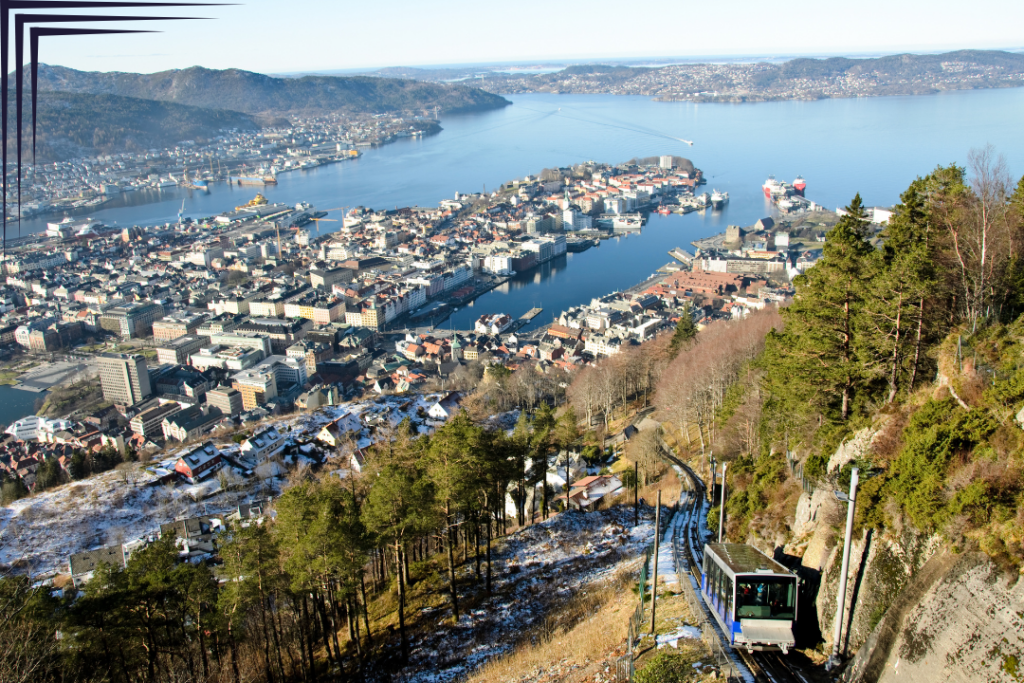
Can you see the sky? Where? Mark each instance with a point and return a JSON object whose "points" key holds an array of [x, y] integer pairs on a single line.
{"points": [[324, 35]]}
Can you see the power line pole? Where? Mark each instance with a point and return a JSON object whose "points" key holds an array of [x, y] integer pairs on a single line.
{"points": [[721, 509], [851, 502], [636, 492]]}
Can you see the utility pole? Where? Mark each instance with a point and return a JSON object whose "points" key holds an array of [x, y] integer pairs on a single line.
{"points": [[711, 474], [657, 547], [721, 510], [851, 504]]}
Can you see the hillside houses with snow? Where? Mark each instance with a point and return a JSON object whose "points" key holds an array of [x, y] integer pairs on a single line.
{"points": [[262, 445], [446, 407]]}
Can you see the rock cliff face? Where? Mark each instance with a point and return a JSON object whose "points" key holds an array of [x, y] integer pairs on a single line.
{"points": [[958, 619], [914, 612]]}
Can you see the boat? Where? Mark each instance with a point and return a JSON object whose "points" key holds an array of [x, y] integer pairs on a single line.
{"points": [[664, 210], [258, 200], [799, 184], [773, 187], [627, 222], [160, 184], [249, 180], [703, 199], [719, 199]]}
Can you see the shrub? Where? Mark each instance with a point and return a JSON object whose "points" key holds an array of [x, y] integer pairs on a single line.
{"points": [[670, 666], [936, 433]]}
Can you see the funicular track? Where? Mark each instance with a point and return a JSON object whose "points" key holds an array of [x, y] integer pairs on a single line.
{"points": [[688, 550]]}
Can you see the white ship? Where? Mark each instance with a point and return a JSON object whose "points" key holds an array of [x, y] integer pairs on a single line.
{"points": [[719, 199]]}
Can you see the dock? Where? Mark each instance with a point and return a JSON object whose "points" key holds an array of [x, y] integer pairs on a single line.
{"points": [[531, 314]]}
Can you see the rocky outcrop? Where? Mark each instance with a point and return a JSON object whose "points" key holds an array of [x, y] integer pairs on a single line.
{"points": [[959, 618], [881, 566]]}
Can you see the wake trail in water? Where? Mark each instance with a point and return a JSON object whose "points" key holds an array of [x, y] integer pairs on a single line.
{"points": [[524, 120], [619, 125]]}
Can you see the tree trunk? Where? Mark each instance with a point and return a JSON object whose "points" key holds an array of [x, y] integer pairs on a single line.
{"points": [[318, 603], [233, 653], [307, 669], [309, 635], [544, 490], [277, 644], [335, 617], [489, 520], [366, 608], [917, 345], [348, 622], [405, 565], [401, 610], [476, 545], [201, 631], [266, 636], [894, 374], [451, 561]]}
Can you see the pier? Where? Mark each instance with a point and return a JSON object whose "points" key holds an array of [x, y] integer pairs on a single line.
{"points": [[531, 314]]}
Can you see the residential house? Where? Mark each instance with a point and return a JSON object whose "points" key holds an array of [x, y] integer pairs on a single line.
{"points": [[191, 422], [263, 444], [199, 463], [446, 407]]}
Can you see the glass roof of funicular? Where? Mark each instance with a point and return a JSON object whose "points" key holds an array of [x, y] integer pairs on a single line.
{"points": [[744, 559]]}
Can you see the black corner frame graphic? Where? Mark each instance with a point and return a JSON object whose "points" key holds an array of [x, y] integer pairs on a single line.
{"points": [[35, 33]]}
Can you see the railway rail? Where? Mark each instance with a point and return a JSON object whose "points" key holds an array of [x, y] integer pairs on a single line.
{"points": [[688, 550]]}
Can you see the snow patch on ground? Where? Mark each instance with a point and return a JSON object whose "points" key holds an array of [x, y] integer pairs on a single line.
{"points": [[537, 566], [38, 534]]}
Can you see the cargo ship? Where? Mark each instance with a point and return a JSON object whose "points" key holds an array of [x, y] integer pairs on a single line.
{"points": [[254, 180], [773, 188], [800, 185]]}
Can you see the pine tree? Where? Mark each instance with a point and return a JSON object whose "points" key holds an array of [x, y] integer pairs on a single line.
{"points": [[398, 507], [686, 330], [251, 564], [447, 460], [819, 344], [903, 282]]}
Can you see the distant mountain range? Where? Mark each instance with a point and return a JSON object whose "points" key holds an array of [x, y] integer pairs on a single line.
{"points": [[87, 113], [78, 124], [254, 93], [802, 78]]}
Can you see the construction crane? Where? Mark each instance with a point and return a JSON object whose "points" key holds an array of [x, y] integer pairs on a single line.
{"points": [[330, 220]]}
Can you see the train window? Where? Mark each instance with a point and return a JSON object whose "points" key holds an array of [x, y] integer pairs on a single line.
{"points": [[767, 598], [728, 601]]}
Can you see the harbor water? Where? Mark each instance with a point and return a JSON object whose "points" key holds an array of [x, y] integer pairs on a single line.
{"points": [[875, 146]]}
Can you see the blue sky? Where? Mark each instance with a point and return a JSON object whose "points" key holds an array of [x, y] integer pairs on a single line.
{"points": [[307, 35]]}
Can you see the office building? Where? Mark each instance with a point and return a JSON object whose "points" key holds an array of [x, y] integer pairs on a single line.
{"points": [[125, 378], [133, 320], [225, 399], [176, 351]]}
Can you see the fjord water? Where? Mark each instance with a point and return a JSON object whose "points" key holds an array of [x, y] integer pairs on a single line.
{"points": [[875, 146]]}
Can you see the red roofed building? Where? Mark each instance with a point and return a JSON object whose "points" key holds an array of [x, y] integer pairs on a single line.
{"points": [[704, 282]]}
